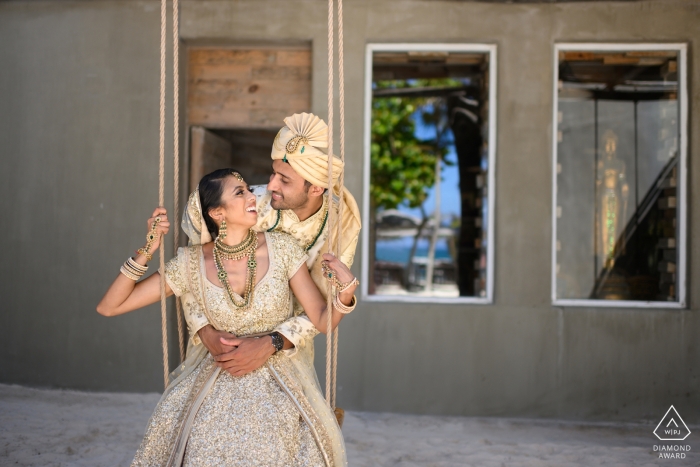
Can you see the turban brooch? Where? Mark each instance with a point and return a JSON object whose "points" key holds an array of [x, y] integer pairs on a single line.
{"points": [[301, 143]]}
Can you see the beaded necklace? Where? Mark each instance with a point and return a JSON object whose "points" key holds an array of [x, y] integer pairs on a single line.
{"points": [[246, 248], [236, 252], [318, 234]]}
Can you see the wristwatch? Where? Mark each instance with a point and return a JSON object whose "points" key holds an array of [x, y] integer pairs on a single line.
{"points": [[277, 340]]}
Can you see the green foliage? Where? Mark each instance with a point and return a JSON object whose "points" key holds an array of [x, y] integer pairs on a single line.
{"points": [[402, 165]]}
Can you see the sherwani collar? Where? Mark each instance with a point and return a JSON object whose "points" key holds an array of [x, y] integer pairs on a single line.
{"points": [[316, 217]]}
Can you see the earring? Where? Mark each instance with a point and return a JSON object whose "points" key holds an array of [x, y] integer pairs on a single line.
{"points": [[222, 229]]}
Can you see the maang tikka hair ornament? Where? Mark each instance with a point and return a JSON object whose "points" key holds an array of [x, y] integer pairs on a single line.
{"points": [[238, 176]]}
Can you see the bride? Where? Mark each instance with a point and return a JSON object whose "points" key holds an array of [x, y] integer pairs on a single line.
{"points": [[274, 416]]}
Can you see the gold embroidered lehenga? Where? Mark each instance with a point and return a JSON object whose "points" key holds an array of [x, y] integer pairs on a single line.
{"points": [[274, 416]]}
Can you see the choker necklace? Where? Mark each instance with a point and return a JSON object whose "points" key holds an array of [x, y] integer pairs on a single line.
{"points": [[236, 252], [226, 252]]}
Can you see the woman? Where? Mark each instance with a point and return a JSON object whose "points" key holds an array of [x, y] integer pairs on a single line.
{"points": [[274, 416]]}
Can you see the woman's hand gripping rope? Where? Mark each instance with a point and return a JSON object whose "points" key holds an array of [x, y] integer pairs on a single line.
{"points": [[158, 226]]}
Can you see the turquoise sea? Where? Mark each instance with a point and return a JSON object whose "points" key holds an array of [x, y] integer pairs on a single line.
{"points": [[397, 250]]}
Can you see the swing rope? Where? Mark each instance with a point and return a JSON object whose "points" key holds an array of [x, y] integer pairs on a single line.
{"points": [[176, 176], [161, 191], [176, 162], [333, 227], [331, 336], [339, 250]]}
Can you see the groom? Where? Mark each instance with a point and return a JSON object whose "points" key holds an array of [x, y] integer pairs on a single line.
{"points": [[296, 201]]}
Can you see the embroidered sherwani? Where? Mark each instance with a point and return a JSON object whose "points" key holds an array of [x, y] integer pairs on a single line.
{"points": [[312, 235], [274, 416]]}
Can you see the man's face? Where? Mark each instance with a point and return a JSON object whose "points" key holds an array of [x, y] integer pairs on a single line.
{"points": [[288, 188]]}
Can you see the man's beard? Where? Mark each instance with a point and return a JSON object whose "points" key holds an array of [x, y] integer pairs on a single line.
{"points": [[284, 203]]}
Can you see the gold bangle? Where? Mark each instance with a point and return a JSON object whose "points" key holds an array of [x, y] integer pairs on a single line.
{"points": [[136, 266], [133, 270], [129, 274], [342, 308], [344, 287]]}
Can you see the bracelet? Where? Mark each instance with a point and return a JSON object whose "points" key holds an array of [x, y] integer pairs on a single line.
{"points": [[136, 266], [342, 308], [133, 270], [144, 252], [150, 239], [128, 274], [344, 287], [329, 274]]}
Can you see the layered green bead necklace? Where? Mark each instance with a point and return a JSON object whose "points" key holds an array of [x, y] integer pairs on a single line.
{"points": [[244, 249], [318, 234]]}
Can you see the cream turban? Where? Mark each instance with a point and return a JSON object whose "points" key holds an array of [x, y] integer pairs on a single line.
{"points": [[300, 144]]}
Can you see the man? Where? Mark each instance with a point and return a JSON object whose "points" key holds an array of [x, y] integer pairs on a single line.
{"points": [[296, 201]]}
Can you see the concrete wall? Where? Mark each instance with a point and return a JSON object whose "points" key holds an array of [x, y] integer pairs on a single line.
{"points": [[78, 142]]}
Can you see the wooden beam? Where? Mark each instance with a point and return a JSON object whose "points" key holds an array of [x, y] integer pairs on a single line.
{"points": [[256, 88]]}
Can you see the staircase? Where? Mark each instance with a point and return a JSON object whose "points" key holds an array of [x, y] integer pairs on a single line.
{"points": [[645, 253]]}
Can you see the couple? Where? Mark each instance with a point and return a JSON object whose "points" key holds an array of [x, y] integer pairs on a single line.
{"points": [[247, 393]]}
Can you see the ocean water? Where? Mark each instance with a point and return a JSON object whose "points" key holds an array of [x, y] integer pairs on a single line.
{"points": [[397, 250]]}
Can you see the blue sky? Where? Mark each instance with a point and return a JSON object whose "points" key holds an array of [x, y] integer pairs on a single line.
{"points": [[450, 204]]}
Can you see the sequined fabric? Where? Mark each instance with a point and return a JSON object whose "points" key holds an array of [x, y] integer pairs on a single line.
{"points": [[250, 421], [272, 293], [265, 418], [297, 328]]}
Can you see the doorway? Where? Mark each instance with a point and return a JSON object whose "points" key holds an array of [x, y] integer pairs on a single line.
{"points": [[237, 99]]}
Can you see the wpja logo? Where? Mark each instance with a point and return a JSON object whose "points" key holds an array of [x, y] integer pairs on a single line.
{"points": [[672, 428]]}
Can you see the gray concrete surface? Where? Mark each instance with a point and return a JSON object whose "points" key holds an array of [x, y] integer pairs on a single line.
{"points": [[78, 143], [67, 428]]}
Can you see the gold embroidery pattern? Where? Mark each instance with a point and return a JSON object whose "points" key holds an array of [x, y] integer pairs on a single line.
{"points": [[282, 368], [303, 434], [175, 276], [270, 300], [195, 280], [165, 423]]}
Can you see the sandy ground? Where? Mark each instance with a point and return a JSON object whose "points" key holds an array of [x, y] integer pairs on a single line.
{"points": [[68, 428]]}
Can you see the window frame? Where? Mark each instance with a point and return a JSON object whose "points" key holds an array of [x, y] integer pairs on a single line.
{"points": [[490, 49], [681, 48]]}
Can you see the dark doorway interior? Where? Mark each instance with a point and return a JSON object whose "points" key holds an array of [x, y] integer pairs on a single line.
{"points": [[250, 152], [247, 150]]}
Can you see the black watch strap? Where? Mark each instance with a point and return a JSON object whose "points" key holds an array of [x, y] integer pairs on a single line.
{"points": [[277, 340]]}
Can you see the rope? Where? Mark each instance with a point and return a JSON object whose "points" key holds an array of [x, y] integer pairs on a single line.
{"points": [[334, 368], [341, 96], [161, 190], [329, 299], [176, 161]]}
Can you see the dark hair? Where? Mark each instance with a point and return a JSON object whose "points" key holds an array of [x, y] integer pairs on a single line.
{"points": [[211, 187]]}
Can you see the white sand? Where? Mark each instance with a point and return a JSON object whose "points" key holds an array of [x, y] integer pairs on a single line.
{"points": [[68, 428]]}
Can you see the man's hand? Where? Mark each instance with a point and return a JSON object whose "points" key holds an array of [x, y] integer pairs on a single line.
{"points": [[212, 340], [248, 354]]}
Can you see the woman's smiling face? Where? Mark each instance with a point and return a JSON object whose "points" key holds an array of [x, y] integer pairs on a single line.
{"points": [[237, 203]]}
